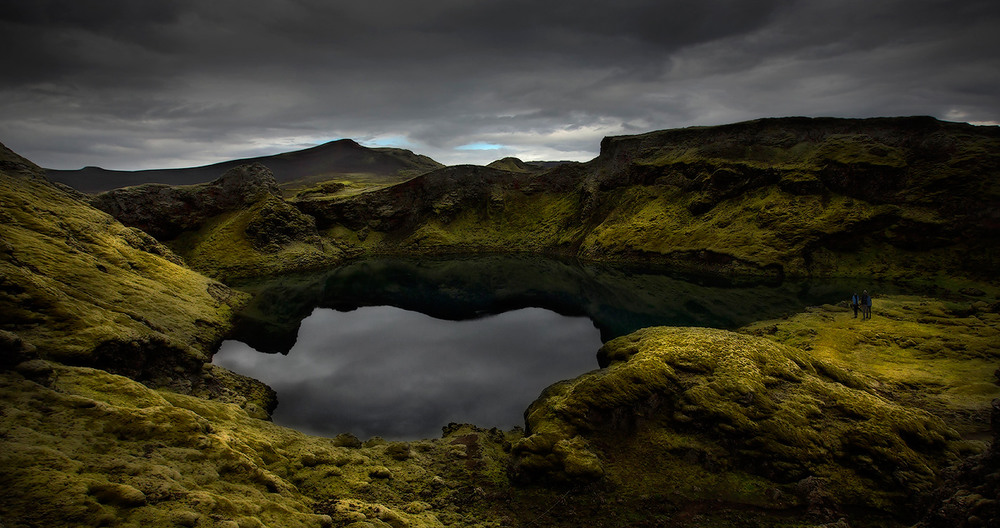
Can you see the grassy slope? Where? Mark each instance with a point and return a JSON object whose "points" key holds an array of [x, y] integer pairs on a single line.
{"points": [[74, 279], [929, 353]]}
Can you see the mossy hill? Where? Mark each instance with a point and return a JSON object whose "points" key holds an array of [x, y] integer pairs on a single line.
{"points": [[684, 427], [516, 165], [86, 290], [111, 415], [893, 198], [238, 223], [298, 170]]}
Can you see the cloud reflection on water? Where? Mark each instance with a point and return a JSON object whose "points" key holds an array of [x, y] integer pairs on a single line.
{"points": [[403, 375]]}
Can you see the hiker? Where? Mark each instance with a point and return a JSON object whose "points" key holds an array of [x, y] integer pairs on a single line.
{"points": [[866, 305], [854, 304]]}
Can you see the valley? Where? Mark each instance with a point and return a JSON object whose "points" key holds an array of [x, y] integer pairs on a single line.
{"points": [[114, 303]]}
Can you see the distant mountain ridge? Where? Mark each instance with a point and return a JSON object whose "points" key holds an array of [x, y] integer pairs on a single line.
{"points": [[335, 158]]}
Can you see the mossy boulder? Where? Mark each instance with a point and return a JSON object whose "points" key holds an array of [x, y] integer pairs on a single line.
{"points": [[719, 404], [235, 226], [278, 224]]}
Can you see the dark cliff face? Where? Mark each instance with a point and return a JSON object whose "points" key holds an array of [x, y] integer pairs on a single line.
{"points": [[433, 195], [164, 211], [894, 197], [871, 159]]}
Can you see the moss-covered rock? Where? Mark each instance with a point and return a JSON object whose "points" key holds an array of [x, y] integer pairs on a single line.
{"points": [[166, 211], [703, 401], [235, 226], [265, 238], [971, 496], [89, 448], [84, 289]]}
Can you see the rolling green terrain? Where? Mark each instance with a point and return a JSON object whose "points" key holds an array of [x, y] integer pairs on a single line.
{"points": [[112, 414]]}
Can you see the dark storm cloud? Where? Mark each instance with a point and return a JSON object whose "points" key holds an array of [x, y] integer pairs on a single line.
{"points": [[128, 84]]}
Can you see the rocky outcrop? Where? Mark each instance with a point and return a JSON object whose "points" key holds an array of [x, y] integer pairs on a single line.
{"points": [[821, 192], [442, 195], [277, 225], [165, 211], [971, 496], [702, 402], [235, 226]]}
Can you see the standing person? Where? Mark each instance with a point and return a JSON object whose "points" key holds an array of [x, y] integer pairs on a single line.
{"points": [[866, 303], [854, 304]]}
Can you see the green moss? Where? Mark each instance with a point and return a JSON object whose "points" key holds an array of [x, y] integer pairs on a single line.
{"points": [[857, 149], [270, 237], [511, 222], [770, 410], [913, 349], [94, 448], [680, 416], [795, 197], [73, 280]]}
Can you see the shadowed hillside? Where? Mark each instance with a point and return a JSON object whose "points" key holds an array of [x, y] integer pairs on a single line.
{"points": [[891, 197], [327, 161]]}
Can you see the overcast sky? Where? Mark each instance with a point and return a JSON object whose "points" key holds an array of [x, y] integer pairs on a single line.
{"points": [[125, 84]]}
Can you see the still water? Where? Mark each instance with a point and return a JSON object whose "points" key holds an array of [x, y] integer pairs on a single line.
{"points": [[399, 348], [399, 374]]}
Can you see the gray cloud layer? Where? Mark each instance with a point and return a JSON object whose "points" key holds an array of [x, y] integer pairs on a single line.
{"points": [[129, 85]]}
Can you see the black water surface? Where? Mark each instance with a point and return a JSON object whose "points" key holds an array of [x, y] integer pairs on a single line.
{"points": [[400, 347], [403, 375]]}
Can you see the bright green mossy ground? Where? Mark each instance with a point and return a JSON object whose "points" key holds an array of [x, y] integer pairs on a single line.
{"points": [[734, 416], [934, 354], [73, 280]]}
